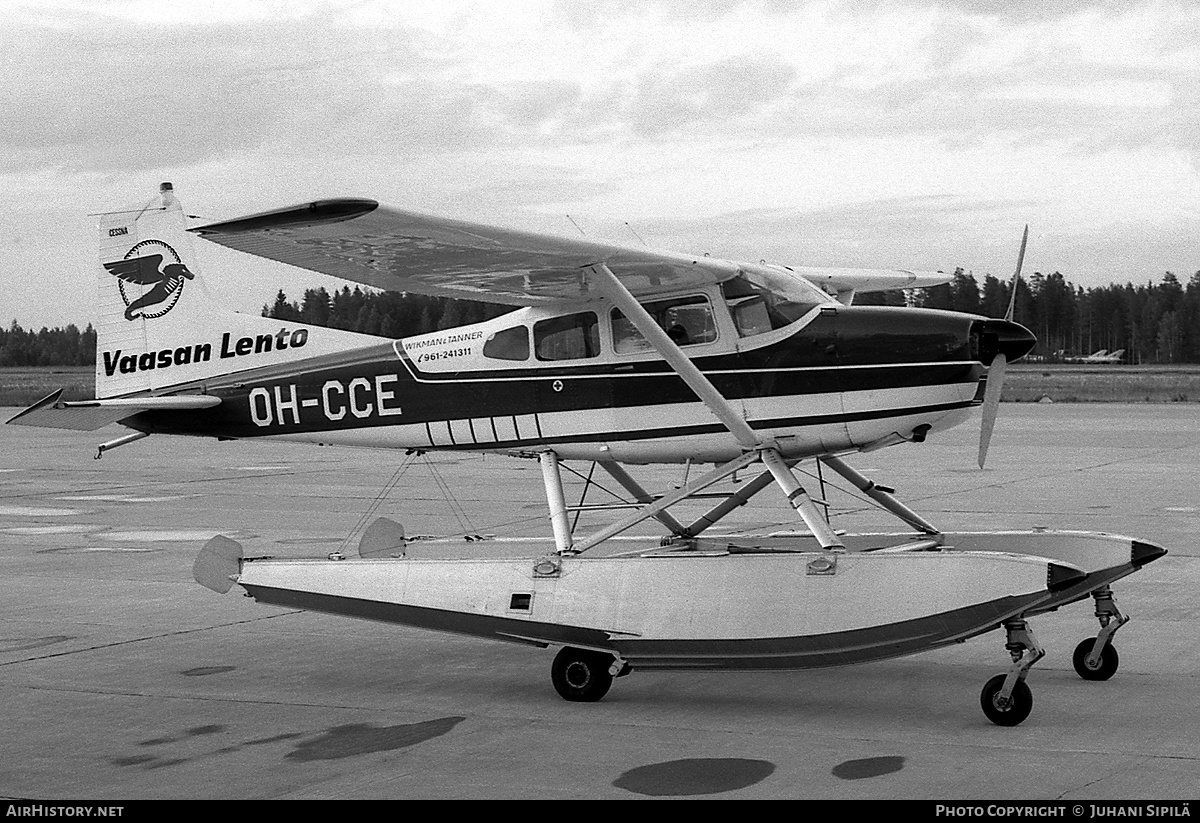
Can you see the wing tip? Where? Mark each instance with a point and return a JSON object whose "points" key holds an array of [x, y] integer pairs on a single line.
{"points": [[315, 213]]}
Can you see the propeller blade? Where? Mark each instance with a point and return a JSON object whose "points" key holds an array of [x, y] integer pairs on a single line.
{"points": [[995, 376], [1012, 297], [991, 404]]}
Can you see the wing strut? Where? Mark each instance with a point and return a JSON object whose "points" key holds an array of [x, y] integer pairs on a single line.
{"points": [[768, 452], [615, 291]]}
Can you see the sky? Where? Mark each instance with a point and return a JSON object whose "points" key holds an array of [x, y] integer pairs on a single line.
{"points": [[920, 135]]}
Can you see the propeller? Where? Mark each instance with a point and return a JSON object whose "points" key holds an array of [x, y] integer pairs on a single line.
{"points": [[995, 375]]}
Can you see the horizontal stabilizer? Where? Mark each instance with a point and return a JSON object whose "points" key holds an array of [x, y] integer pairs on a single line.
{"points": [[51, 412], [383, 538], [218, 564]]}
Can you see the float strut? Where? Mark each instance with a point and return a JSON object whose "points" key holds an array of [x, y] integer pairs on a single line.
{"points": [[563, 542], [642, 496], [800, 500], [880, 495]]}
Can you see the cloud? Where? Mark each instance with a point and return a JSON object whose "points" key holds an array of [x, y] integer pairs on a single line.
{"points": [[1085, 115], [104, 94], [90, 90], [941, 232], [728, 91]]}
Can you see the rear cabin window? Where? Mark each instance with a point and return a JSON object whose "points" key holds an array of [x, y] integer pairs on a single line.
{"points": [[687, 321], [573, 337], [509, 344]]}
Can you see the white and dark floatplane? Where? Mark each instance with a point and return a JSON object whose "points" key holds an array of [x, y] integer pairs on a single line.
{"points": [[622, 357]]}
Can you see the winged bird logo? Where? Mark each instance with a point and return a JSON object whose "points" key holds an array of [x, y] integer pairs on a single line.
{"points": [[160, 278]]}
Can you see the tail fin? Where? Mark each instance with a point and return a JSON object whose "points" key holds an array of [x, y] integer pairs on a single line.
{"points": [[157, 324]]}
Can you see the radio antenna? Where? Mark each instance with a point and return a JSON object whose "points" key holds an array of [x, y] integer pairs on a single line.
{"points": [[635, 234]]}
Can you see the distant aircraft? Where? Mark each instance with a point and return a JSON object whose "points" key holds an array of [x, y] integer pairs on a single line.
{"points": [[622, 357], [1101, 356]]}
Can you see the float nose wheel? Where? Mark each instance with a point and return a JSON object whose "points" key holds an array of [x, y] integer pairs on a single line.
{"points": [[581, 675], [1096, 658], [1090, 666], [1006, 711], [1006, 699]]}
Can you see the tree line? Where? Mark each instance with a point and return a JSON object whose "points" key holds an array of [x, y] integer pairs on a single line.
{"points": [[1153, 323], [48, 347], [385, 314]]}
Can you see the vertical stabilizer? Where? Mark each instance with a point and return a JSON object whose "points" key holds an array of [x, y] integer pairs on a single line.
{"points": [[158, 325]]}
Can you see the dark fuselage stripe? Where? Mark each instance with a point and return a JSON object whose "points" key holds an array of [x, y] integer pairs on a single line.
{"points": [[717, 428]]}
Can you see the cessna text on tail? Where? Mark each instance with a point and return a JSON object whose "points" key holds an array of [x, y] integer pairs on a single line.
{"points": [[617, 356]]}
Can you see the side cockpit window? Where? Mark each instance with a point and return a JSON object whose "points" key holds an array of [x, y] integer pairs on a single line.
{"points": [[687, 321], [573, 337], [763, 301], [509, 344], [750, 315]]}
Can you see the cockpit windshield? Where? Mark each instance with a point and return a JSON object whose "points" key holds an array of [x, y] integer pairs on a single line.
{"points": [[763, 300]]}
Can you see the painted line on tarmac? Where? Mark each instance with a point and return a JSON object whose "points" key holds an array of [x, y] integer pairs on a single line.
{"points": [[150, 637], [39, 511]]}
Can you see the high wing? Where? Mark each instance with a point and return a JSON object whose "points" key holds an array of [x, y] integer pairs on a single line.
{"points": [[838, 280], [364, 242], [361, 241]]}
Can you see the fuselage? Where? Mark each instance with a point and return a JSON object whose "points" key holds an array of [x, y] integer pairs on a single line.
{"points": [[823, 378]]}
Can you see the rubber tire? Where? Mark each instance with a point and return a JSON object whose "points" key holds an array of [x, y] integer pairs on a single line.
{"points": [[580, 675], [1016, 711], [1109, 661]]}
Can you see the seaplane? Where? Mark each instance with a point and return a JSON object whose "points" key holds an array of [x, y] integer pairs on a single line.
{"points": [[622, 357]]}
